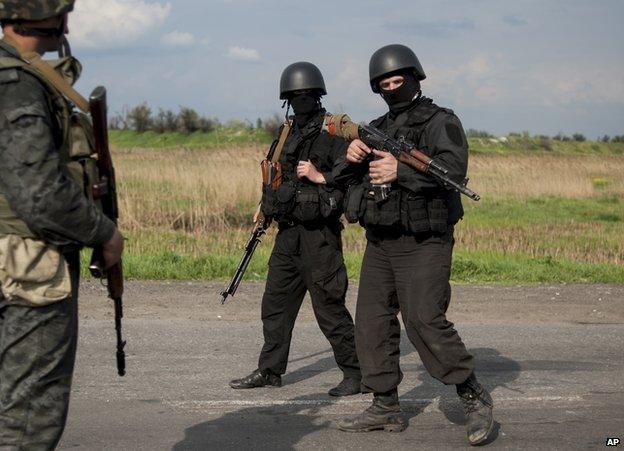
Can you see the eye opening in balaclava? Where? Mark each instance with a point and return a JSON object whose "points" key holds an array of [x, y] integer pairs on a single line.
{"points": [[401, 97]]}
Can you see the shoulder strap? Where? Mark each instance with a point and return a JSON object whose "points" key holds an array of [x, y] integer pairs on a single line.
{"points": [[54, 78], [280, 142], [33, 63]]}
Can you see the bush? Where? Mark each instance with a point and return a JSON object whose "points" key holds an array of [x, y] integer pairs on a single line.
{"points": [[165, 121], [579, 137], [140, 118], [273, 124], [188, 120]]}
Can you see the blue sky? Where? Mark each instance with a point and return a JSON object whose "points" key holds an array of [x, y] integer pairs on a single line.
{"points": [[541, 66]]}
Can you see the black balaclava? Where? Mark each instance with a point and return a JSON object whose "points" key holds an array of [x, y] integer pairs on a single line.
{"points": [[400, 98], [305, 106]]}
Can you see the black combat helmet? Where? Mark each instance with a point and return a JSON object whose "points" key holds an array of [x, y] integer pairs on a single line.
{"points": [[299, 76], [392, 58]]}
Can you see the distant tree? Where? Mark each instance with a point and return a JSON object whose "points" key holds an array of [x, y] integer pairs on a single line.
{"points": [[561, 137], [207, 124], [618, 139], [273, 124], [140, 118], [189, 120], [258, 123], [579, 137], [605, 139], [117, 122], [165, 121]]}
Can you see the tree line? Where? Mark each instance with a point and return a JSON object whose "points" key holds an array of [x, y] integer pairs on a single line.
{"points": [[142, 118], [578, 137]]}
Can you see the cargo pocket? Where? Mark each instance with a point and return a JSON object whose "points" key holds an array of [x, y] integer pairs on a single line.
{"points": [[334, 285], [32, 273]]}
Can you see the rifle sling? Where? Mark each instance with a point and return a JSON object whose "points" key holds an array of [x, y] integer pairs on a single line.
{"points": [[46, 71], [280, 142]]}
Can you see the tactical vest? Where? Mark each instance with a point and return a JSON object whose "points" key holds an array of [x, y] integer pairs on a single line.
{"points": [[77, 152], [403, 210], [296, 200]]}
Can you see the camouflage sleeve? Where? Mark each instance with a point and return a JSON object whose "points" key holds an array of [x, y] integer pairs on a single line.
{"points": [[446, 142], [37, 187]]}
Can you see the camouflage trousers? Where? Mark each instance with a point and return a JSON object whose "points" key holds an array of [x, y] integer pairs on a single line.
{"points": [[37, 352]]}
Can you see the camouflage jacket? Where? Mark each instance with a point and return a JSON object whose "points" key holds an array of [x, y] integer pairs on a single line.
{"points": [[33, 179]]}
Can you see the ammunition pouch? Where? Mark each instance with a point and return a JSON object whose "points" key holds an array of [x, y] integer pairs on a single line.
{"points": [[410, 212], [330, 201], [307, 206], [280, 202], [386, 213], [354, 203]]}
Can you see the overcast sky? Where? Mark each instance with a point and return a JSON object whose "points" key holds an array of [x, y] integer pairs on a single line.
{"points": [[544, 66]]}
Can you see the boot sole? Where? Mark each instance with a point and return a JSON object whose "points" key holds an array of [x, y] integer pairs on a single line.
{"points": [[484, 437], [386, 428]]}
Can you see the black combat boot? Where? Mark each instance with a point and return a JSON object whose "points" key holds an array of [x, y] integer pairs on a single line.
{"points": [[384, 413], [258, 378], [348, 386], [478, 405]]}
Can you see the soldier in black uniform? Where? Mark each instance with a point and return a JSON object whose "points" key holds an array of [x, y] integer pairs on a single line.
{"points": [[307, 255], [407, 263]]}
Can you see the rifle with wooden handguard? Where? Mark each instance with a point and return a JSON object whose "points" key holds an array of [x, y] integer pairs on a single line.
{"points": [[271, 179], [105, 191], [404, 151]]}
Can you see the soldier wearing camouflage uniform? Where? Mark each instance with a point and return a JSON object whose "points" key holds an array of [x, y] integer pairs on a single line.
{"points": [[45, 218]]}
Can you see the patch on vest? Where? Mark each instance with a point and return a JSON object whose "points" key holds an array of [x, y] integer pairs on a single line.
{"points": [[454, 133], [9, 76]]}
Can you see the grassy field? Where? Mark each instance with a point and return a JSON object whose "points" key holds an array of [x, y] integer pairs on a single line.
{"points": [[546, 216], [231, 137]]}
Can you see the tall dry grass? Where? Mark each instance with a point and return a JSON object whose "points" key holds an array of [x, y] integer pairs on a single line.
{"points": [[570, 176], [207, 190]]}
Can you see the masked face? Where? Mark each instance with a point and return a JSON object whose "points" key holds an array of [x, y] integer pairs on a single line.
{"points": [[399, 97], [304, 104]]}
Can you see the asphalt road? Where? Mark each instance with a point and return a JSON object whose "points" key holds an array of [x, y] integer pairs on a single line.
{"points": [[552, 356]]}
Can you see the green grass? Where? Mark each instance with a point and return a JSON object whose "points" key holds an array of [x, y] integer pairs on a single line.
{"points": [[219, 138], [468, 267], [543, 240], [231, 137]]}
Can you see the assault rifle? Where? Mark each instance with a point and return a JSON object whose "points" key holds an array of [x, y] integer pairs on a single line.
{"points": [[271, 179], [105, 191], [404, 151]]}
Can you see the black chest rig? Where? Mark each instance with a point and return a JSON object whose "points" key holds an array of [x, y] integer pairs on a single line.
{"points": [[403, 210], [302, 201]]}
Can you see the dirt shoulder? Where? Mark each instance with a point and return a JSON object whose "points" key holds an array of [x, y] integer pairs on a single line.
{"points": [[592, 304]]}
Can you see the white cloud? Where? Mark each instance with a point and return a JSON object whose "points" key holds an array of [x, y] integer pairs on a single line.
{"points": [[243, 54], [97, 24], [178, 39]]}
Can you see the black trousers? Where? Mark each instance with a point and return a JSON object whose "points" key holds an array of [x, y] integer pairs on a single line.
{"points": [[407, 274], [307, 260]]}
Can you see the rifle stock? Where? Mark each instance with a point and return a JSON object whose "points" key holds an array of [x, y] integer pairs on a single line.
{"points": [[105, 191]]}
